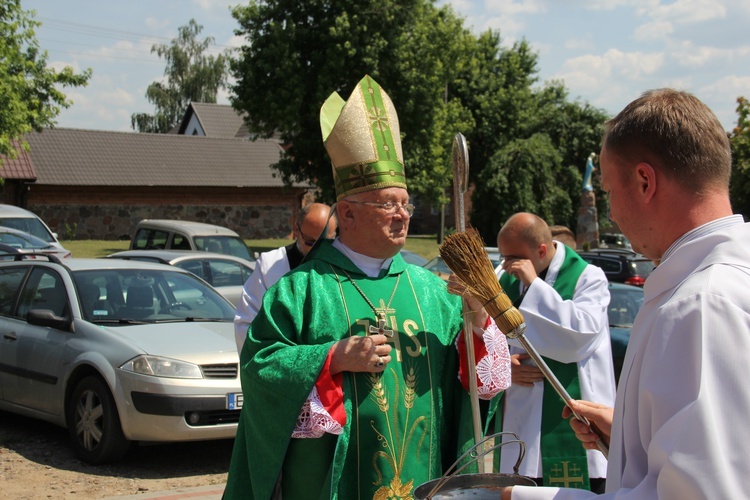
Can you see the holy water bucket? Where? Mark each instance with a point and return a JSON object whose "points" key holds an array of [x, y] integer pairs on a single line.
{"points": [[485, 486]]}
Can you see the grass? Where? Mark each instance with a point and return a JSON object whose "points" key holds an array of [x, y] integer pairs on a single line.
{"points": [[426, 246]]}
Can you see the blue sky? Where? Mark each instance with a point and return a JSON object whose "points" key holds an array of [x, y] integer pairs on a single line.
{"points": [[607, 52]]}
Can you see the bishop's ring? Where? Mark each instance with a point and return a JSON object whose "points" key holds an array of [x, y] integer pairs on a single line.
{"points": [[380, 362]]}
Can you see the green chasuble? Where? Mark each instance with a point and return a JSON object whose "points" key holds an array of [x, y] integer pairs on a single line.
{"points": [[402, 426], [564, 460]]}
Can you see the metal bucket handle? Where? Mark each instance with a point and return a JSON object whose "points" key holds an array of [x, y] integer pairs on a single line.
{"points": [[476, 456]]}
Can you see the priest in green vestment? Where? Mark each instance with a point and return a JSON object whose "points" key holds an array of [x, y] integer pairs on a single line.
{"points": [[564, 302], [350, 371]]}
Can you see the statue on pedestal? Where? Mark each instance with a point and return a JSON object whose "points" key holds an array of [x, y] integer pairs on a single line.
{"points": [[588, 225]]}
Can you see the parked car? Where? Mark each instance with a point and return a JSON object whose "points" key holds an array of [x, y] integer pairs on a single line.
{"points": [[438, 266], [624, 303], [620, 265], [29, 244], [413, 258], [495, 256], [18, 218], [226, 273], [163, 234], [117, 351], [614, 240]]}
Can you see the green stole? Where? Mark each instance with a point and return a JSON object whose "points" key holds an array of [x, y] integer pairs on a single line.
{"points": [[564, 460]]}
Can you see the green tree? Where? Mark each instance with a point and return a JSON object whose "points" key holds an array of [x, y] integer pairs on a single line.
{"points": [[522, 176], [441, 78], [192, 75], [575, 129], [297, 53], [739, 140], [30, 96]]}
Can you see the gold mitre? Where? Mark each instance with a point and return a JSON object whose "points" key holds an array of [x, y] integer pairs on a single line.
{"points": [[363, 139]]}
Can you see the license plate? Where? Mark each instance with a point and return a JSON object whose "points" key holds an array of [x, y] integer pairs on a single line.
{"points": [[234, 401]]}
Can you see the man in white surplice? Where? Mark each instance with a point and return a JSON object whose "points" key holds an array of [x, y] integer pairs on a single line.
{"points": [[680, 416]]}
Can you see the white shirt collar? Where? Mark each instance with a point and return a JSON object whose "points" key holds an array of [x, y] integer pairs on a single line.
{"points": [[368, 265]]}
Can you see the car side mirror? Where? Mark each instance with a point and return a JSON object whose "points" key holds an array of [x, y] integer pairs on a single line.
{"points": [[45, 317]]}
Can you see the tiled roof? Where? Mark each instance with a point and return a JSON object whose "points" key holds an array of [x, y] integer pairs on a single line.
{"points": [[20, 167], [103, 158], [217, 120]]}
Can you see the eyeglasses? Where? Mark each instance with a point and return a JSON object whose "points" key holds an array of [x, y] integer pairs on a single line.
{"points": [[307, 241], [390, 207]]}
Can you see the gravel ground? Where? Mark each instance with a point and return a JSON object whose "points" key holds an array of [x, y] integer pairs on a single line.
{"points": [[37, 462]]}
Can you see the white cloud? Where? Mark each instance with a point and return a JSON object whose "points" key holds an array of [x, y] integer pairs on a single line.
{"points": [[688, 54], [581, 43], [236, 41], [214, 4], [687, 11], [732, 85], [655, 31], [155, 24], [722, 95], [624, 65], [615, 4], [510, 28], [511, 7], [60, 65]]}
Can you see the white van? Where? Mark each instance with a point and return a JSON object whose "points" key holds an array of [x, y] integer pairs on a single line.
{"points": [[18, 218], [152, 234]]}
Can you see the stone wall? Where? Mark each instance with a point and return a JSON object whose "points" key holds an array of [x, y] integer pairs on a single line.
{"points": [[117, 222], [114, 216]]}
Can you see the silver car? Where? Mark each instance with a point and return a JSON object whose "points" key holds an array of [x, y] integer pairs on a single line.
{"points": [[29, 244], [117, 351], [21, 219], [226, 273]]}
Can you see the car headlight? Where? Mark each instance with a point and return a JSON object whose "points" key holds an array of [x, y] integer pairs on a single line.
{"points": [[162, 367]]}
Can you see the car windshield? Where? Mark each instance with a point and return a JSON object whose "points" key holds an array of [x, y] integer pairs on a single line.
{"points": [[229, 245], [642, 267], [28, 225], [438, 265], [624, 304], [123, 296], [23, 241]]}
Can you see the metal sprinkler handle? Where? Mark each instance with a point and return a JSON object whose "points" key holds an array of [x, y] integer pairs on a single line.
{"points": [[460, 184], [518, 334]]}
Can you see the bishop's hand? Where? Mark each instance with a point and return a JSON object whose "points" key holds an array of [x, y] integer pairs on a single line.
{"points": [[360, 354], [479, 315]]}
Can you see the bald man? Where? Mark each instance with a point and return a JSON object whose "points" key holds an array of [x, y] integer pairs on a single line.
{"points": [[564, 303], [274, 264]]}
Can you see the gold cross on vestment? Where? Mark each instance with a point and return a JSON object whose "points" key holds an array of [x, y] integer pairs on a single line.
{"points": [[566, 479]]}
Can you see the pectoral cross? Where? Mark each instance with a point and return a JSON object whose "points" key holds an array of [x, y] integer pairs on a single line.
{"points": [[382, 327]]}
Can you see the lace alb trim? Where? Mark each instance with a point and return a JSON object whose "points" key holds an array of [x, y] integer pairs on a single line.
{"points": [[314, 420], [493, 370]]}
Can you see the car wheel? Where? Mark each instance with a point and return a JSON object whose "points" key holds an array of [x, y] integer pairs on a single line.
{"points": [[93, 423]]}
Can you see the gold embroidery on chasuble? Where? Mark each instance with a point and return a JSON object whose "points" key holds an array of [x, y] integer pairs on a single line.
{"points": [[392, 411]]}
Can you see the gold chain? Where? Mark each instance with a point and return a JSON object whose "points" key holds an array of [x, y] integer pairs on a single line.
{"points": [[372, 306]]}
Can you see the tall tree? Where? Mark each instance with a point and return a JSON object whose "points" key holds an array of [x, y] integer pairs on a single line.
{"points": [[30, 97], [192, 75], [521, 177], [575, 129], [442, 80], [740, 142], [299, 52]]}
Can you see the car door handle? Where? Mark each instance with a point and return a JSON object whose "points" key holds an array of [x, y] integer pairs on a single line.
{"points": [[10, 336]]}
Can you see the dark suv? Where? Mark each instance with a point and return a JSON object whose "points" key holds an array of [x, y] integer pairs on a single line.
{"points": [[620, 265]]}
